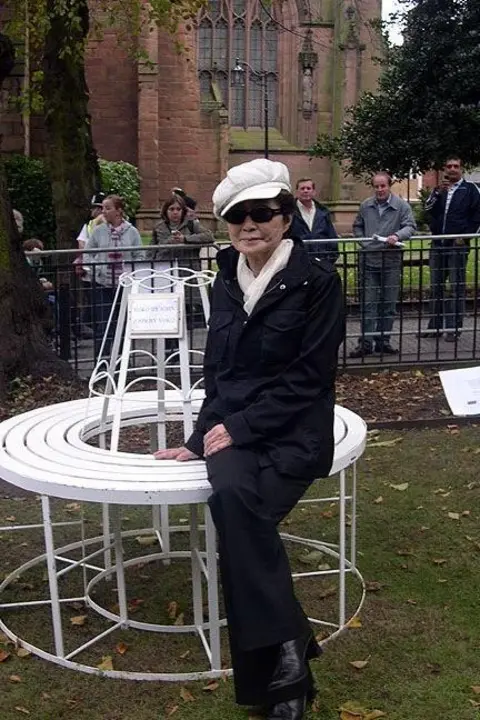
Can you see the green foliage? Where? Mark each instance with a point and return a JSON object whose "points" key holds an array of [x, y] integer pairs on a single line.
{"points": [[428, 101], [122, 178], [31, 193], [419, 212]]}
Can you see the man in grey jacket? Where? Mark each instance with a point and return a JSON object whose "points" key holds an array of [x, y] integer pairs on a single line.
{"points": [[384, 221]]}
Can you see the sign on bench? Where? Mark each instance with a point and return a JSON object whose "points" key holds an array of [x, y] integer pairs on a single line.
{"points": [[156, 316]]}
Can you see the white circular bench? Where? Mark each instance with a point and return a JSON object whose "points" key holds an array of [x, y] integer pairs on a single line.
{"points": [[46, 451]]}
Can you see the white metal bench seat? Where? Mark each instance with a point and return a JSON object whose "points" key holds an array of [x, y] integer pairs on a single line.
{"points": [[46, 451]]}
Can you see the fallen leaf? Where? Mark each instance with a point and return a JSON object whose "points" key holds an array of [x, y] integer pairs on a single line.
{"points": [[378, 500], [465, 513], [476, 689], [186, 695], [180, 620], [121, 648], [73, 507], [211, 686], [76, 605], [454, 515], [15, 678], [411, 602], [185, 655], [10, 518], [172, 710], [385, 443], [355, 622], [311, 558], [46, 696], [22, 709], [328, 592], [22, 652], [172, 610], [146, 540], [374, 715], [401, 487], [374, 586], [106, 664], [360, 664], [349, 711], [439, 561], [326, 514], [4, 655], [78, 620]]}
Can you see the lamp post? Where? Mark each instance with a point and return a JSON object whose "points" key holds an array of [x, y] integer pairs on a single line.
{"points": [[261, 76]]}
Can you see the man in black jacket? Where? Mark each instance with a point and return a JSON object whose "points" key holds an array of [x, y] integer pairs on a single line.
{"points": [[312, 221], [452, 210]]}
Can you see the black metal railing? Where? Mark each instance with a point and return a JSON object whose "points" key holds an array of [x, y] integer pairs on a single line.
{"points": [[417, 305]]}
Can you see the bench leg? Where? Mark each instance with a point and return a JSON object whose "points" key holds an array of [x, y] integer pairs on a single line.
{"points": [[119, 568], [341, 549], [52, 577], [196, 567], [212, 583]]}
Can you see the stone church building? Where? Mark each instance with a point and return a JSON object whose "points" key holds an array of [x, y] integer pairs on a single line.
{"points": [[183, 121]]}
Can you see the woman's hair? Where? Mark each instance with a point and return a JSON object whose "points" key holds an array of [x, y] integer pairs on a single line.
{"points": [[118, 202], [287, 203], [32, 244], [173, 200]]}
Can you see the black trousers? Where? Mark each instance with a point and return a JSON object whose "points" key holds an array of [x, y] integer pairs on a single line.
{"points": [[250, 498]]}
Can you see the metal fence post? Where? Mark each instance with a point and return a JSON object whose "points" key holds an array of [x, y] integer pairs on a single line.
{"points": [[64, 321]]}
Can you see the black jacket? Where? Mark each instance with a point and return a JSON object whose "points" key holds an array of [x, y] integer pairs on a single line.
{"points": [[463, 214], [322, 229], [270, 377]]}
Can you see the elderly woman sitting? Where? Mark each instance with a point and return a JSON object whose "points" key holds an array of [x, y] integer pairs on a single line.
{"points": [[175, 228], [266, 426]]}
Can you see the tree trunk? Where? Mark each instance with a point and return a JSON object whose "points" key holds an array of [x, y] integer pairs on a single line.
{"points": [[24, 313], [72, 159]]}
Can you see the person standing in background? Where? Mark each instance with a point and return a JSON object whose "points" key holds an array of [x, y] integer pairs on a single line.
{"points": [[312, 221], [384, 221], [453, 209]]}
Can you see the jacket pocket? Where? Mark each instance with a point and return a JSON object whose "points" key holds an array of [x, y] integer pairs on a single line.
{"points": [[282, 336], [219, 331]]}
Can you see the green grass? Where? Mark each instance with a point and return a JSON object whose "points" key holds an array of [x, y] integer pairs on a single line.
{"points": [[420, 631]]}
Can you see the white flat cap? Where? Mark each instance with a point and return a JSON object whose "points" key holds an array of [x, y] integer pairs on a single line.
{"points": [[259, 179]]}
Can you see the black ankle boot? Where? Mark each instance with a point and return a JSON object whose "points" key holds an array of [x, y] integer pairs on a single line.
{"points": [[292, 664], [263, 710], [288, 710]]}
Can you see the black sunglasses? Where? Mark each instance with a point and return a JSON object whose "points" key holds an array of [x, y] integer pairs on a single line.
{"points": [[261, 214]]}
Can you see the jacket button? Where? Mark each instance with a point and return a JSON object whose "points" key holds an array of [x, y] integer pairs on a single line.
{"points": [[245, 322], [283, 287], [306, 282]]}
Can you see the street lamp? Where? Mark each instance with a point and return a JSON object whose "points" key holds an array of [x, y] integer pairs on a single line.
{"points": [[261, 76]]}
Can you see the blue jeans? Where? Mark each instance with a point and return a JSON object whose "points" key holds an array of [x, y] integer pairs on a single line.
{"points": [[103, 298], [447, 264], [379, 287]]}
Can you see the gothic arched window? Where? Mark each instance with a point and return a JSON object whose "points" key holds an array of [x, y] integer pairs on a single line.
{"points": [[231, 29]]}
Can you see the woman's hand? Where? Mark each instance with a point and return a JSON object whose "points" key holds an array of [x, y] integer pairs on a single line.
{"points": [[181, 454], [216, 439]]}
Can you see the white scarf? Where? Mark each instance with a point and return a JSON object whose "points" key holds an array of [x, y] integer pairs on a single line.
{"points": [[254, 287]]}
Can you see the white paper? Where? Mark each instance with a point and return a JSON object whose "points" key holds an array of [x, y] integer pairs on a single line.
{"points": [[380, 238], [156, 315], [462, 390]]}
